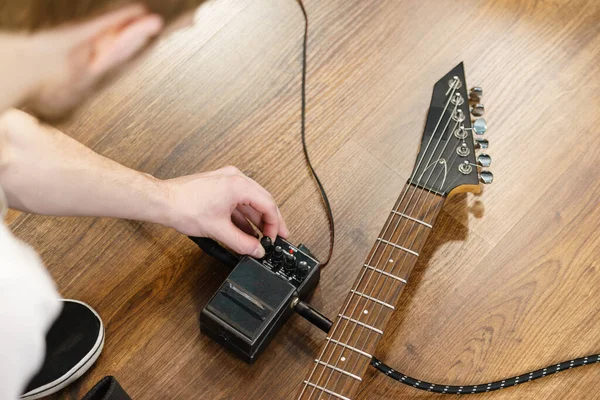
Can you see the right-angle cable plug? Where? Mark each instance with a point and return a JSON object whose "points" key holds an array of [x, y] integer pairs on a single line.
{"points": [[313, 316]]}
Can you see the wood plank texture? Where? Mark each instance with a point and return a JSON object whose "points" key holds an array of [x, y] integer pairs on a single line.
{"points": [[509, 280]]}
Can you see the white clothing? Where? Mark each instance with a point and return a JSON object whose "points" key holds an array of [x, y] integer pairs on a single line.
{"points": [[28, 306]]}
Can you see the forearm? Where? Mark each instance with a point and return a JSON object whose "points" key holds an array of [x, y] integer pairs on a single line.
{"points": [[44, 171]]}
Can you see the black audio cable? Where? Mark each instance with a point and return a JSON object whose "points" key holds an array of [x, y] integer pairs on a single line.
{"points": [[483, 387], [382, 367], [313, 173]]}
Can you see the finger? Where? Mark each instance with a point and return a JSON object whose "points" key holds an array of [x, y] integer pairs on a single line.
{"points": [[238, 241], [283, 229], [265, 205], [253, 216], [256, 218], [235, 171], [224, 171], [241, 222], [228, 170], [90, 29]]}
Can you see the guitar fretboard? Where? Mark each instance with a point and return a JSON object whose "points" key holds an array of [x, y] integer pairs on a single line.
{"points": [[349, 346]]}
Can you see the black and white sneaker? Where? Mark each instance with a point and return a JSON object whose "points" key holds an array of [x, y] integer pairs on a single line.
{"points": [[73, 344]]}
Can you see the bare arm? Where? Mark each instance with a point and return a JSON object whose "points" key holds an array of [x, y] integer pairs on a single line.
{"points": [[44, 171]]}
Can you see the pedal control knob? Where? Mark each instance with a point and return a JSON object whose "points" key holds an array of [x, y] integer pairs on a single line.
{"points": [[302, 270], [289, 264], [267, 244], [277, 258]]}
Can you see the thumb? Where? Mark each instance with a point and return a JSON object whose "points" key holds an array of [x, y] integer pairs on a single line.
{"points": [[240, 242]]}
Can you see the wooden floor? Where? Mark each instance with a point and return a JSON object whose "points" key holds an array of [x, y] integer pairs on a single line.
{"points": [[510, 280]]}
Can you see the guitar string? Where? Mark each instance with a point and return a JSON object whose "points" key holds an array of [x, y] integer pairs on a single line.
{"points": [[387, 296], [391, 255], [372, 318], [392, 249], [369, 262], [372, 273], [405, 255], [453, 87], [365, 270], [335, 365], [377, 246], [405, 224]]}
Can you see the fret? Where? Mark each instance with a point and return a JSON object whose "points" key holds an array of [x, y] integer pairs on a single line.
{"points": [[382, 272], [383, 303], [337, 342], [414, 253], [322, 389], [361, 324], [418, 221], [341, 371]]}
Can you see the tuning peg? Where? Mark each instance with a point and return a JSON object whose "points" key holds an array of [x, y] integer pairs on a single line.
{"points": [[479, 126], [477, 110], [476, 93], [484, 160], [486, 177], [481, 144]]}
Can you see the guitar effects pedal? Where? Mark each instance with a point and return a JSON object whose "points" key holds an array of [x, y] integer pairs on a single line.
{"points": [[259, 295]]}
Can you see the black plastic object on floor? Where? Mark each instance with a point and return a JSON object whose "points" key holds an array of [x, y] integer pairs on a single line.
{"points": [[73, 344], [107, 389]]}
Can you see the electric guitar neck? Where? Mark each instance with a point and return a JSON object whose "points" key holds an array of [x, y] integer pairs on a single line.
{"points": [[446, 164]]}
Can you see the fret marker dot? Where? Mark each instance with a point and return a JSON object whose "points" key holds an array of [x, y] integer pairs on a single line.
{"points": [[343, 358], [366, 311], [391, 260]]}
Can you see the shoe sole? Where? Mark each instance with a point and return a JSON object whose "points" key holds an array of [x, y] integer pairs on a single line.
{"points": [[74, 373]]}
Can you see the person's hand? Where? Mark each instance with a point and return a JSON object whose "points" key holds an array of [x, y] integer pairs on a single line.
{"points": [[64, 64], [219, 204]]}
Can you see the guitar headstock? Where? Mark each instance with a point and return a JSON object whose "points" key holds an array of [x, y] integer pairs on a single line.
{"points": [[448, 160]]}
